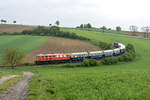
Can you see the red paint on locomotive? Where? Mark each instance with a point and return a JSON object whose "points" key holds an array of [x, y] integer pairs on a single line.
{"points": [[52, 57]]}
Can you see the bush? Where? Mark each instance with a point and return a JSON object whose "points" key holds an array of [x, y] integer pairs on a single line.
{"points": [[52, 31], [89, 62], [13, 57], [105, 46], [129, 48], [71, 65], [92, 62], [109, 60], [27, 64]]}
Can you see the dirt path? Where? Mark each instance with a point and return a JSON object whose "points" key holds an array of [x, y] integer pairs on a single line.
{"points": [[6, 78], [18, 91]]}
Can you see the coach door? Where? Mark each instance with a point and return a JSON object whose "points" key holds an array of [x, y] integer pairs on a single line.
{"points": [[46, 57], [50, 57]]}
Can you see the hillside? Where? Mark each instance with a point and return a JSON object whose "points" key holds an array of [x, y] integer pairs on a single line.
{"points": [[122, 81], [135, 33], [25, 43], [61, 45], [14, 28]]}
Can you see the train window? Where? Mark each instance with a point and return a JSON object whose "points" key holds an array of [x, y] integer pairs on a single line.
{"points": [[46, 57], [43, 57], [49, 56], [61, 56], [57, 56], [53, 56]]}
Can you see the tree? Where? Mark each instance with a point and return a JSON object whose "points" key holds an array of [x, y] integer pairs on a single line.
{"points": [[57, 23], [146, 31], [89, 25], [13, 57], [50, 25], [85, 25], [103, 28], [3, 21], [14, 21], [118, 28], [133, 28], [81, 26]]}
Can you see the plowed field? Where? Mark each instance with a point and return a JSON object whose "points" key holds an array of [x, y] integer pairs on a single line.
{"points": [[14, 28], [61, 45]]}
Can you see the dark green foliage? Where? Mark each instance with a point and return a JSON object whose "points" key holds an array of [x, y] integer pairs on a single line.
{"points": [[105, 46], [130, 48], [57, 23], [89, 25], [118, 28], [103, 28], [13, 57], [27, 64], [109, 60], [72, 65], [52, 31], [26, 32], [85, 26], [89, 62], [129, 55], [81, 26]]}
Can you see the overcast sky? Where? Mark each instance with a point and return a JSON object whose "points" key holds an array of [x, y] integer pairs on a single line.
{"points": [[71, 13]]}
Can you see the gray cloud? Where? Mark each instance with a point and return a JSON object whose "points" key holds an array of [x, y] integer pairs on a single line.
{"points": [[73, 12]]}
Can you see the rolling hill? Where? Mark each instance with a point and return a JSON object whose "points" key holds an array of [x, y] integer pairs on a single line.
{"points": [[122, 81]]}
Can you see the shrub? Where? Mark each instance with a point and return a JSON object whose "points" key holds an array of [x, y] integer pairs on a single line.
{"points": [[129, 48], [71, 65], [92, 62], [129, 56], [109, 60], [89, 62], [105, 46], [86, 62], [27, 64], [13, 57]]}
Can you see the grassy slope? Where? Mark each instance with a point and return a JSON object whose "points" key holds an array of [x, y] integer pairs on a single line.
{"points": [[141, 45], [124, 81], [25, 43]]}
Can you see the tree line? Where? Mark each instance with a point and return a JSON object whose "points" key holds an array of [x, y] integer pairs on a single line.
{"points": [[3, 21], [52, 31], [145, 29]]}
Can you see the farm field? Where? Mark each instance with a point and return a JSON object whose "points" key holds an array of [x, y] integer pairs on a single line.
{"points": [[61, 45], [25, 43], [14, 28], [135, 33], [123, 81]]}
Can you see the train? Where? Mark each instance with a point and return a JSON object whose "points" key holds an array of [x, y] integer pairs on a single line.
{"points": [[119, 49]]}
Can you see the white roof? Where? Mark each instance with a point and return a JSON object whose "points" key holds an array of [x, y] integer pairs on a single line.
{"points": [[108, 51], [80, 53], [94, 52], [117, 49], [50, 54], [122, 46]]}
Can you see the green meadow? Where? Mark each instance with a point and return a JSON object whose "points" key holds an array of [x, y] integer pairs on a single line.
{"points": [[25, 43], [123, 81]]}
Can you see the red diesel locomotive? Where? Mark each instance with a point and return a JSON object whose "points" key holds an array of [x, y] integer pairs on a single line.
{"points": [[52, 58]]}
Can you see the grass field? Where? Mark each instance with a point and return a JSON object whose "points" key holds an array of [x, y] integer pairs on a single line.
{"points": [[25, 43], [123, 81]]}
